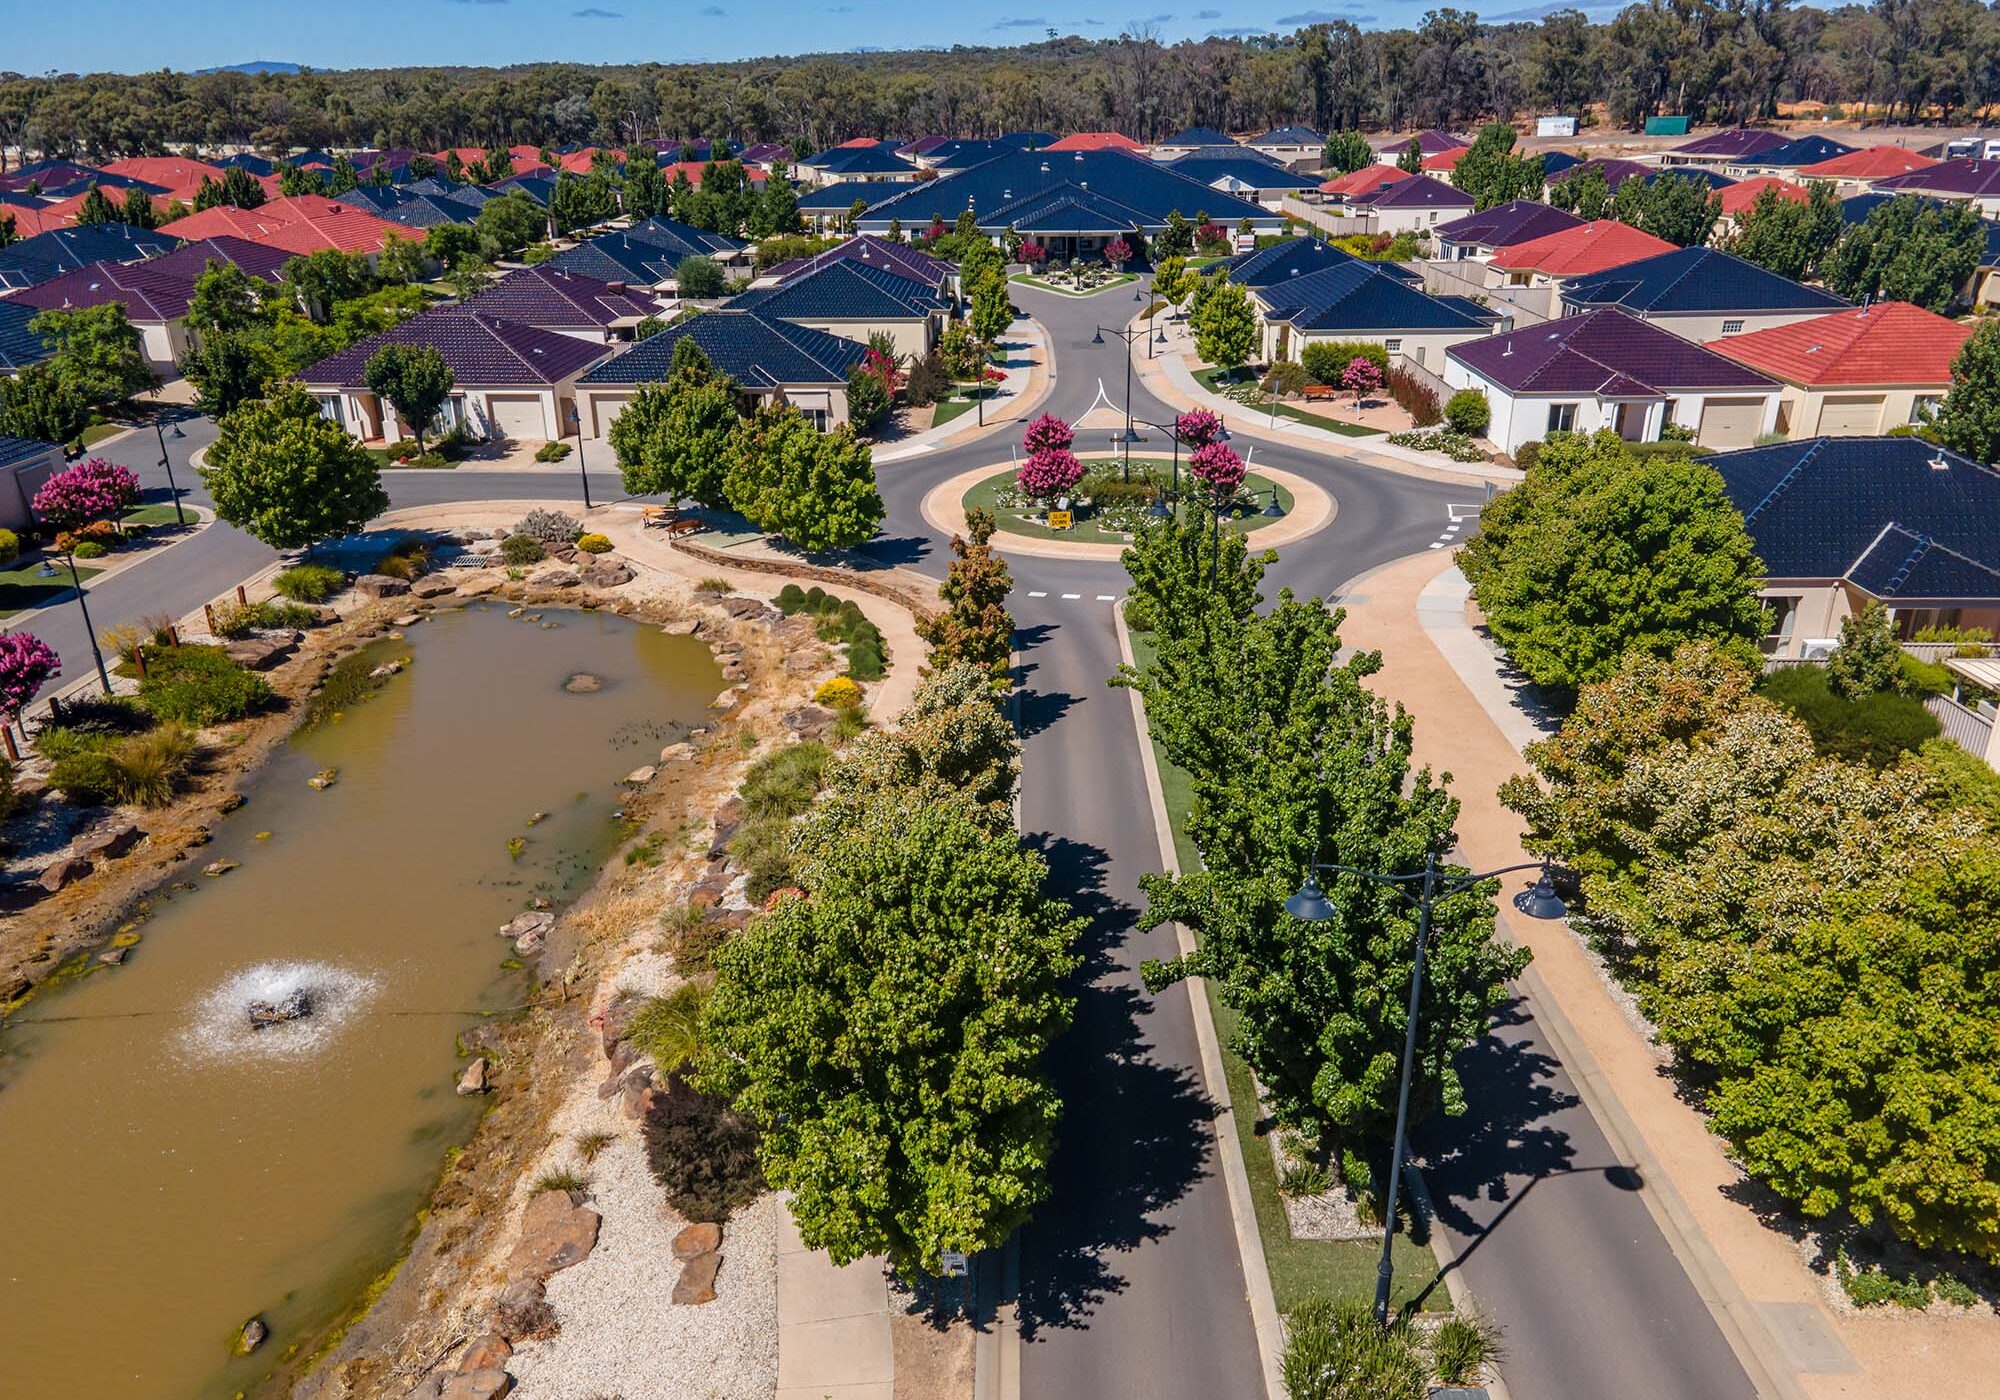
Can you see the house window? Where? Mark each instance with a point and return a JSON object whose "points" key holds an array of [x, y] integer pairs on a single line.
{"points": [[816, 416], [1562, 417], [1923, 408], [1732, 328], [1784, 617], [1394, 345]]}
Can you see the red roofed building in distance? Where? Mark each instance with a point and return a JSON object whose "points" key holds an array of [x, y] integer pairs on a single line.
{"points": [[1442, 163], [692, 169], [1360, 186], [1097, 141], [1736, 200], [29, 221], [1858, 168], [174, 172], [1577, 252], [1856, 373], [304, 223]]}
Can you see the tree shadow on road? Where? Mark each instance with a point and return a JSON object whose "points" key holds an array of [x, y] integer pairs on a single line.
{"points": [[899, 551], [1135, 1134], [1038, 709]]}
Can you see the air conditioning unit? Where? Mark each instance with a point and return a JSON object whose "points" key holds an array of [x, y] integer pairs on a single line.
{"points": [[1820, 648]]}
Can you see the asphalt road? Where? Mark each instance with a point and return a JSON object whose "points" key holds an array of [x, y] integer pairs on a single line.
{"points": [[1131, 1284]]}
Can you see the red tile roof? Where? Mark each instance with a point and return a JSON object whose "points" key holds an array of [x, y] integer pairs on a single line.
{"points": [[1364, 181], [1891, 342], [1446, 160], [171, 171], [1575, 252], [1738, 197], [693, 168], [42, 219], [857, 143], [1868, 163], [1096, 141], [305, 223]]}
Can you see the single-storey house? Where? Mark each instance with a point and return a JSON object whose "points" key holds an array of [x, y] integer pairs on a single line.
{"points": [[1971, 178], [1701, 294], [1855, 373], [1738, 199], [1298, 146], [949, 156], [1416, 205], [565, 302], [509, 381], [1475, 236], [1788, 158], [1554, 259], [1095, 141], [685, 240], [304, 223], [155, 293], [1349, 194], [1293, 258], [1857, 170], [51, 254], [1192, 139], [1722, 148], [939, 274], [1359, 301], [848, 163], [827, 206], [1616, 171], [770, 360], [1429, 143], [1239, 173], [647, 254], [26, 463], [854, 299], [19, 346], [1604, 369], [1840, 522]]}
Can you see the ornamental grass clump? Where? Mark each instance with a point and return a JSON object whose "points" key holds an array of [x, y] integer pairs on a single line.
{"points": [[200, 685], [309, 583]]}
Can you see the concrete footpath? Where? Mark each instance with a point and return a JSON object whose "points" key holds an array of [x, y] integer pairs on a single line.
{"points": [[834, 1338], [1792, 1337]]}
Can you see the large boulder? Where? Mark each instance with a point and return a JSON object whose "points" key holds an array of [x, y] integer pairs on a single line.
{"points": [[555, 1233], [475, 1079], [695, 1240], [433, 586], [555, 576], [696, 1285], [262, 652], [749, 609], [534, 921], [522, 1312], [110, 841], [62, 872], [488, 1384], [607, 573], [381, 586], [488, 1351]]}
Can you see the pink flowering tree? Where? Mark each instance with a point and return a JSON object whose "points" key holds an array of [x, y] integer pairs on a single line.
{"points": [[90, 490], [1211, 237], [1049, 473], [1033, 253], [1198, 428], [1219, 469], [1361, 378], [1118, 252], [25, 662], [1047, 433]]}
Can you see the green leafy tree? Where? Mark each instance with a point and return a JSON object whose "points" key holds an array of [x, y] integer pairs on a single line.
{"points": [[400, 262], [414, 380], [645, 192], [1584, 193], [321, 281], [290, 476], [138, 210], [96, 349], [226, 298], [42, 405], [888, 1036], [1171, 278], [1790, 237], [1908, 249], [450, 244], [816, 489], [469, 277], [992, 312], [673, 438], [1492, 174], [1412, 158], [343, 178], [240, 188], [295, 180], [1869, 660], [1225, 328], [1291, 760], [974, 627], [1683, 211], [228, 368], [96, 208], [699, 277], [1346, 151], [505, 226], [1177, 238], [1968, 418], [1600, 552], [10, 230], [580, 201]]}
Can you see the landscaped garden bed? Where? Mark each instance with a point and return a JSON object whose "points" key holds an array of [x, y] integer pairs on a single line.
{"points": [[1108, 509]]}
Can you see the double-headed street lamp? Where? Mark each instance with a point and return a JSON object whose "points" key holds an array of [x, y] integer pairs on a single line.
{"points": [[1160, 510], [1128, 437], [1312, 905]]}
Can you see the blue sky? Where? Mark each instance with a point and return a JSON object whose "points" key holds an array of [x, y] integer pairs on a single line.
{"points": [[130, 36]]}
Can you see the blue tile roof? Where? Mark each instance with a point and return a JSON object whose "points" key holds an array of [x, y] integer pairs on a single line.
{"points": [[1875, 511], [1298, 257], [1028, 140], [1288, 136], [1695, 174], [613, 257], [844, 291], [683, 240], [838, 198], [247, 160], [51, 254], [863, 160], [19, 346], [1359, 296], [1199, 136], [757, 351], [1807, 150], [535, 187], [963, 155], [1253, 171], [1147, 187], [428, 211], [1696, 281], [15, 450], [1069, 211]]}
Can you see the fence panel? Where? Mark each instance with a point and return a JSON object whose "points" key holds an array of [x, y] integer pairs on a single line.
{"points": [[1971, 732]]}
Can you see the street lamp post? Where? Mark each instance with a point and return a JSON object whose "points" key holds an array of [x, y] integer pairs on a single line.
{"points": [[167, 461], [581, 470], [1128, 437], [76, 581], [1312, 905]]}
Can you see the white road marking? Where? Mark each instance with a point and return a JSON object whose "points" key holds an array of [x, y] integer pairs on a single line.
{"points": [[1038, 595], [1071, 597], [1437, 544], [1107, 597]]}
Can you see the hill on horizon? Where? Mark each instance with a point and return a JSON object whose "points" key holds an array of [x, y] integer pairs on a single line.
{"points": [[255, 66]]}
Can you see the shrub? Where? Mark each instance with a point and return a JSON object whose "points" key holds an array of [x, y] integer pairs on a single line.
{"points": [[103, 714], [1877, 728], [1358, 1176], [233, 621], [668, 1028], [1872, 1286], [552, 451], [1671, 431], [200, 685], [568, 1180], [1303, 1179], [407, 559], [1334, 1351], [1468, 412], [1454, 445], [714, 587], [703, 1152], [1923, 677], [1326, 360], [1139, 614], [790, 599], [838, 693], [522, 549], [10, 548], [90, 549], [1462, 1348], [309, 583], [783, 784], [1527, 454], [593, 543], [692, 940], [142, 769], [549, 526], [1415, 397]]}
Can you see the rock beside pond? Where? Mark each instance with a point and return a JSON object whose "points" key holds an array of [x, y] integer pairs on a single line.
{"points": [[433, 586], [408, 619], [114, 840], [252, 1336], [489, 1351], [112, 957], [296, 1005], [749, 609], [555, 576], [381, 586], [583, 683], [809, 721], [387, 669], [324, 779], [607, 573], [261, 653], [534, 921], [218, 867], [685, 627], [639, 777], [555, 1234], [63, 872], [488, 1384], [474, 1079]]}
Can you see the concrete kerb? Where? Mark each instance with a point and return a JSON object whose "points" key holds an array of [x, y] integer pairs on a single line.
{"points": [[1040, 377], [202, 520], [1264, 1319], [1313, 509]]}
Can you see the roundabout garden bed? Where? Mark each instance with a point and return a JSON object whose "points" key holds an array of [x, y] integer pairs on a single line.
{"points": [[1117, 509]]}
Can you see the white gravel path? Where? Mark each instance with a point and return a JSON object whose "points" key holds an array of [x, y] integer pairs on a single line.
{"points": [[622, 1336]]}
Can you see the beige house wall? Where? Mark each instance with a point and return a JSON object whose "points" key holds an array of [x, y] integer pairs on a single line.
{"points": [[1802, 410]]}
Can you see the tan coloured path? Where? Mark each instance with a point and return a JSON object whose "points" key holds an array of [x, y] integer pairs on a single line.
{"points": [[1769, 1299]]}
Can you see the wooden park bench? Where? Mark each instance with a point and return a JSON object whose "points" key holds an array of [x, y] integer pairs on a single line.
{"points": [[669, 519], [1317, 392]]}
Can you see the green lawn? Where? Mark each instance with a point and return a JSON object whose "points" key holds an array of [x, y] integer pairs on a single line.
{"points": [[948, 409], [986, 496], [22, 587], [161, 514], [1065, 288], [98, 432], [1298, 1268], [1217, 381]]}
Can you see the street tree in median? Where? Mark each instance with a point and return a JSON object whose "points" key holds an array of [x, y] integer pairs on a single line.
{"points": [[1602, 551], [414, 380], [290, 476], [816, 489], [974, 627]]}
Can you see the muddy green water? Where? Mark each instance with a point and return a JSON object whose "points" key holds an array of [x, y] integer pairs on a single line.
{"points": [[166, 1171]]}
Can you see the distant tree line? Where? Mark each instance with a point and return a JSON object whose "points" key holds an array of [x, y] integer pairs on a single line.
{"points": [[1719, 60]]}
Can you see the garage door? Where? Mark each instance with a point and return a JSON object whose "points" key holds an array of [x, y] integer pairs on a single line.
{"points": [[1855, 415], [603, 411], [517, 417], [1729, 423]]}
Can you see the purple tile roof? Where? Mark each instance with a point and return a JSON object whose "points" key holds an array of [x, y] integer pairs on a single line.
{"points": [[558, 300], [876, 251], [1417, 192], [158, 289], [1968, 176], [1504, 225], [1738, 142], [1616, 171], [482, 351], [1602, 352]]}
